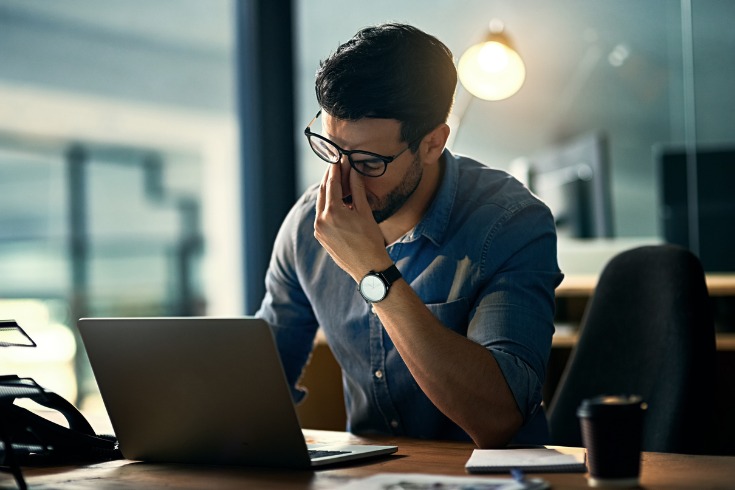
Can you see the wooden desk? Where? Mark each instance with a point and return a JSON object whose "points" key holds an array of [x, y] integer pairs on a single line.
{"points": [[584, 285], [725, 341], [659, 471], [574, 292]]}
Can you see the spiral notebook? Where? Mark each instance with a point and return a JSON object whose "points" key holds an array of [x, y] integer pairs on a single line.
{"points": [[554, 459]]}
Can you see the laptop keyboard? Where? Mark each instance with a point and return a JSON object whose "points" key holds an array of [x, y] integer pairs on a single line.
{"points": [[316, 453]]}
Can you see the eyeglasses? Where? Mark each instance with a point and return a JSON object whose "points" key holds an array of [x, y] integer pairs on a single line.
{"points": [[366, 163]]}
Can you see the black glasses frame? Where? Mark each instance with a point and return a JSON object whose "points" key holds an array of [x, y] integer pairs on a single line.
{"points": [[348, 153]]}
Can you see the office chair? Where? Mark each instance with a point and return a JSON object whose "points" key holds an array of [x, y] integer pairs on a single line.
{"points": [[647, 330]]}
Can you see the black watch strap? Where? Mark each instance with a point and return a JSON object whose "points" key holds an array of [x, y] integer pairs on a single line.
{"points": [[390, 275]]}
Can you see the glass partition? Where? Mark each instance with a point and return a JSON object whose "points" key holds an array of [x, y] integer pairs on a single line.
{"points": [[640, 74]]}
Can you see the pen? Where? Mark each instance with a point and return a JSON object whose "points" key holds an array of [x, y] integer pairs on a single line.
{"points": [[520, 477]]}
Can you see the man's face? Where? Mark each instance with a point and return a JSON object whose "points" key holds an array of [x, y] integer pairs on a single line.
{"points": [[389, 192]]}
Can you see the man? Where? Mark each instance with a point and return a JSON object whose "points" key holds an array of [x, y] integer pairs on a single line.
{"points": [[431, 275]]}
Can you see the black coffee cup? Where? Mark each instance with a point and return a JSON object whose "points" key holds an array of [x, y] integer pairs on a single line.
{"points": [[612, 428]]}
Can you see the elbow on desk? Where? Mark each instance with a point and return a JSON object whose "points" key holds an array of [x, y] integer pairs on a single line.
{"points": [[492, 440], [498, 432]]}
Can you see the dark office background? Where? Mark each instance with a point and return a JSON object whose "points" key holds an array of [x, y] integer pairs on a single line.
{"points": [[149, 148]]}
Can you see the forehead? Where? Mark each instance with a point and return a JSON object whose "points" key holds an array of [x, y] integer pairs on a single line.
{"points": [[367, 133]]}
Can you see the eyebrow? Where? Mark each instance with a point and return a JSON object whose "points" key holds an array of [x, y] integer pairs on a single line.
{"points": [[358, 147]]}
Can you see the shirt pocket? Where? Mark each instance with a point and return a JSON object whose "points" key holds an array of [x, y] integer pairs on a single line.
{"points": [[454, 314]]}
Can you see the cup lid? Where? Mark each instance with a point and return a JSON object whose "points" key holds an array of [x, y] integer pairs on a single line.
{"points": [[604, 403]]}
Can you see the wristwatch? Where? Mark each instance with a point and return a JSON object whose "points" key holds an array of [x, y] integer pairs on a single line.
{"points": [[375, 285]]}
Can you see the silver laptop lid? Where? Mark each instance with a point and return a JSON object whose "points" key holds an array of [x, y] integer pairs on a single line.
{"points": [[195, 390]]}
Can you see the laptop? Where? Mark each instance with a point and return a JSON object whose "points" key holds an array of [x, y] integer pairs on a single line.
{"points": [[202, 391]]}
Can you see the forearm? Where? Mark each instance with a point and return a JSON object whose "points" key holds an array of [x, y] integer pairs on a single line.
{"points": [[459, 376]]}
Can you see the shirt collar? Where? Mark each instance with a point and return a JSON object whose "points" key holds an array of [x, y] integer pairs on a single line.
{"points": [[436, 220]]}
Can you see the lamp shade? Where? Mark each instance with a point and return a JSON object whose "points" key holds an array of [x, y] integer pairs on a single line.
{"points": [[492, 69]]}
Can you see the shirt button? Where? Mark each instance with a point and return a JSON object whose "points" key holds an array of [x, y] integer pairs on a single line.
{"points": [[394, 423], [379, 374]]}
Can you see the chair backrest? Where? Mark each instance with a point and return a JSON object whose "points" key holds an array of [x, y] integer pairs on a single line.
{"points": [[647, 330]]}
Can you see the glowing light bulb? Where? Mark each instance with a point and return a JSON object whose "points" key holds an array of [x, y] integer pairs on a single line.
{"points": [[491, 70], [493, 57]]}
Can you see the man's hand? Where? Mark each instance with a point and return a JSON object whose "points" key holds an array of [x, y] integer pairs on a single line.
{"points": [[348, 232]]}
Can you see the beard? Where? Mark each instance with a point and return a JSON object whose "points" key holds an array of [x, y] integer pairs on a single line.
{"points": [[390, 204]]}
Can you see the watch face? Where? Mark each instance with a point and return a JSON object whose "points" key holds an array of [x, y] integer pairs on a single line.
{"points": [[372, 288]]}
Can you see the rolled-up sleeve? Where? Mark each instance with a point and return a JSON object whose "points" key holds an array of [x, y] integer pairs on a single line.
{"points": [[513, 317]]}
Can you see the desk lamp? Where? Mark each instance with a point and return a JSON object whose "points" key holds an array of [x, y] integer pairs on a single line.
{"points": [[489, 70]]}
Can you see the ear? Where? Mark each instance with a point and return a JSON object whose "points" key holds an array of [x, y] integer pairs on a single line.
{"points": [[433, 144]]}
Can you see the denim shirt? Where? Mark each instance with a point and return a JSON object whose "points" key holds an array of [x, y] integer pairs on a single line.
{"points": [[483, 261]]}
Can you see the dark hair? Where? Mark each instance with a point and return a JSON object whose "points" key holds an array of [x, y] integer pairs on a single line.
{"points": [[391, 71]]}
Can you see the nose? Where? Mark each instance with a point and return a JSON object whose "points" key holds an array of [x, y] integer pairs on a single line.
{"points": [[345, 170]]}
